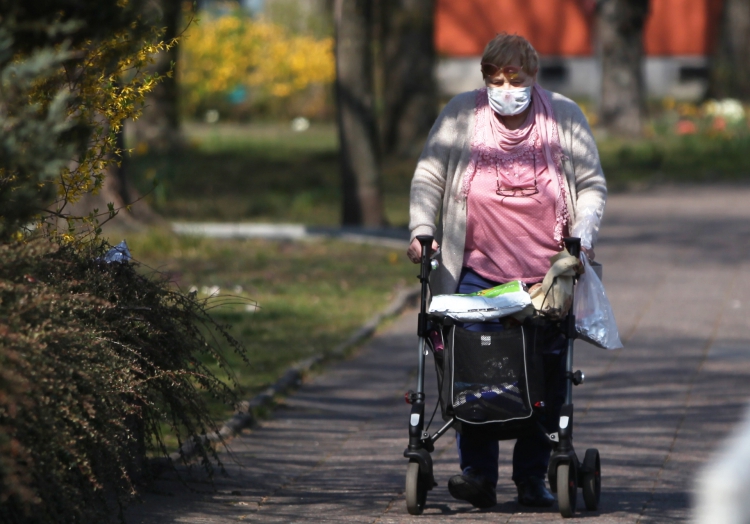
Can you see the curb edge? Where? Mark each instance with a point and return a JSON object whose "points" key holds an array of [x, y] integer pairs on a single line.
{"points": [[291, 379]]}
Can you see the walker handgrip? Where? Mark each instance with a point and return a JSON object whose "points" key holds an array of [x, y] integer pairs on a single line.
{"points": [[424, 276], [573, 245], [426, 243]]}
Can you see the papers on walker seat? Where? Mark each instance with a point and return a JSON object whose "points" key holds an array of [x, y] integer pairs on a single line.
{"points": [[488, 304]]}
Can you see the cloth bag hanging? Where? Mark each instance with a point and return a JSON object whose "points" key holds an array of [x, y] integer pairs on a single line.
{"points": [[554, 296]]}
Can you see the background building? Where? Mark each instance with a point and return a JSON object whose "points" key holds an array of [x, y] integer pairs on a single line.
{"points": [[679, 37]]}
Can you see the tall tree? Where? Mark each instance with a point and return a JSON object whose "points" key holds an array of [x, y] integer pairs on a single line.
{"points": [[409, 88], [730, 67], [360, 165], [117, 190], [620, 32]]}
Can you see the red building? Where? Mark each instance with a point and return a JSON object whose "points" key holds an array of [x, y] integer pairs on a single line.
{"points": [[679, 35]]}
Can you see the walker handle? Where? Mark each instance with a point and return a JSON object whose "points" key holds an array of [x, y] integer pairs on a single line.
{"points": [[424, 277], [425, 241], [573, 245]]}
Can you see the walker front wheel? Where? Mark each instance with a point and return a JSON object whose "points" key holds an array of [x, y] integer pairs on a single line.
{"points": [[416, 489], [567, 489]]}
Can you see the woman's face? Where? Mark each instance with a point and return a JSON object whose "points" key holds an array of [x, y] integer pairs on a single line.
{"points": [[511, 76]]}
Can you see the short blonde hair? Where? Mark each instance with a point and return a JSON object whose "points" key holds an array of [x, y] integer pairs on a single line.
{"points": [[505, 49]]}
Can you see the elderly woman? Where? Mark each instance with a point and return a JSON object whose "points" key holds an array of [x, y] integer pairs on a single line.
{"points": [[512, 169]]}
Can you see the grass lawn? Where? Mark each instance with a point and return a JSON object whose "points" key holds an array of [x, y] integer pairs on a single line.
{"points": [[310, 295]]}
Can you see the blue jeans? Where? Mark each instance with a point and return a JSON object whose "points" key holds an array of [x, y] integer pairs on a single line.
{"points": [[478, 455]]}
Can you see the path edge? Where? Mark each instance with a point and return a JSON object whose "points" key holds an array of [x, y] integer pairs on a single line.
{"points": [[249, 411]]}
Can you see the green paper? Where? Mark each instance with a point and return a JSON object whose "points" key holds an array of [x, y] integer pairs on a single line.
{"points": [[502, 289]]}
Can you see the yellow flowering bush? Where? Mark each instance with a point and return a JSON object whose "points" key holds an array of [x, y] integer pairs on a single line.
{"points": [[69, 77], [112, 85], [256, 65]]}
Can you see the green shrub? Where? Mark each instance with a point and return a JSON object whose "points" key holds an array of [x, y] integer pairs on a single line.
{"points": [[94, 359]]}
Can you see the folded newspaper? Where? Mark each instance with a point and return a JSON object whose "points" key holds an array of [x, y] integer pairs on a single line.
{"points": [[488, 304]]}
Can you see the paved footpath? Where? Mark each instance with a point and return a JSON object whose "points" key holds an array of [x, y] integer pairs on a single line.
{"points": [[677, 270]]}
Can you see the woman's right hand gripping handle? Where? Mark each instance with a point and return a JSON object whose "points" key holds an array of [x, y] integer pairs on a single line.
{"points": [[415, 250]]}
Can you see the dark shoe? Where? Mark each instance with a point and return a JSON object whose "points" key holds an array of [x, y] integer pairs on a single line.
{"points": [[479, 493], [534, 492]]}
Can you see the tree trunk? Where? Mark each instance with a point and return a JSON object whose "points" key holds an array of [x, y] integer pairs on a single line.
{"points": [[159, 125], [410, 94], [360, 167], [158, 128], [620, 31], [730, 67], [134, 213]]}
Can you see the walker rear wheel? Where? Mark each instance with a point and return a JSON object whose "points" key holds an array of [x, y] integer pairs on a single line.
{"points": [[592, 479], [416, 489], [567, 489]]}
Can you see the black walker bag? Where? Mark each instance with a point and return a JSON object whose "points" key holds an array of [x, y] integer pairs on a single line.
{"points": [[493, 381]]}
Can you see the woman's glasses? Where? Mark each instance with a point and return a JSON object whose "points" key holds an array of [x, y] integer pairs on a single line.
{"points": [[517, 191]]}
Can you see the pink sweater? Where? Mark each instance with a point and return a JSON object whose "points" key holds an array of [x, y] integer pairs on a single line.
{"points": [[510, 238]]}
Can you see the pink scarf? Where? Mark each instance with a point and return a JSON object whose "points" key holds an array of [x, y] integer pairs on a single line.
{"points": [[497, 151]]}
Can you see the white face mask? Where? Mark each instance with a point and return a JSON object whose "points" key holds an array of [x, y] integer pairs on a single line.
{"points": [[508, 102]]}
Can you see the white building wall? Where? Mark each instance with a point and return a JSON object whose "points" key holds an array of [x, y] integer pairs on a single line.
{"points": [[580, 77]]}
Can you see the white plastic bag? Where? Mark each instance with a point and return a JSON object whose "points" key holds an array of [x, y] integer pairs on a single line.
{"points": [[595, 322], [482, 306]]}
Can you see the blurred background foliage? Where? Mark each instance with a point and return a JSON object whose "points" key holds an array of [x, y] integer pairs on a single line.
{"points": [[249, 68], [257, 103], [682, 142]]}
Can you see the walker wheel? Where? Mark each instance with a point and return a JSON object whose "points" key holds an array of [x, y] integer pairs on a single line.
{"points": [[567, 488], [592, 479], [416, 489]]}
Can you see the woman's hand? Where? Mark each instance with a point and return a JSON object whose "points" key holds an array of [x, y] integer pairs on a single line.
{"points": [[415, 250]]}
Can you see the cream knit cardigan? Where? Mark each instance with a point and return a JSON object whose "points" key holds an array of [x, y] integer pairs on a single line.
{"points": [[438, 180]]}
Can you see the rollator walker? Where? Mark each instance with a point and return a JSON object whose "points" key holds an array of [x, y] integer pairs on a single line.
{"points": [[566, 472]]}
